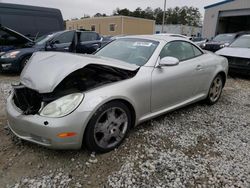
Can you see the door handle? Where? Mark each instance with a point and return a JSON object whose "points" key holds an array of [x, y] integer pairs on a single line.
{"points": [[199, 67], [66, 48]]}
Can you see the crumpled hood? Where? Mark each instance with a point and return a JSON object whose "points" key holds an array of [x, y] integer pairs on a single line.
{"points": [[46, 70], [234, 52]]}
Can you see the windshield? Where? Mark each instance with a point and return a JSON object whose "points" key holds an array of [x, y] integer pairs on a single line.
{"points": [[197, 39], [224, 37], [131, 50], [43, 39], [242, 42]]}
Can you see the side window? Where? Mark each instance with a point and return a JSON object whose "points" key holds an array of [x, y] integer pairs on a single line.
{"points": [[92, 27], [188, 51], [65, 37], [112, 27], [88, 36], [197, 52], [180, 49]]}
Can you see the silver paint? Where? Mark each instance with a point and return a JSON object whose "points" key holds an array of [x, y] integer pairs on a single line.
{"points": [[153, 91]]}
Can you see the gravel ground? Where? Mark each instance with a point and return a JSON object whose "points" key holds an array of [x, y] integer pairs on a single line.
{"points": [[197, 146]]}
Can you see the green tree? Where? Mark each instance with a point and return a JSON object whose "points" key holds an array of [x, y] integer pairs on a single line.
{"points": [[123, 12], [178, 15]]}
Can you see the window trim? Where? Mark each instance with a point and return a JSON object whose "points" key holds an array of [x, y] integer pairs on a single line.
{"points": [[114, 27], [92, 32], [202, 53], [94, 27], [69, 31]]}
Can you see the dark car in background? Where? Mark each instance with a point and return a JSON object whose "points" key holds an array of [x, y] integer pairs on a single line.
{"points": [[31, 21], [199, 41], [220, 41], [74, 41], [238, 55]]}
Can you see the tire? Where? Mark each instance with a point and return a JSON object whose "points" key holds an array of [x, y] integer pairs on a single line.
{"points": [[108, 127], [24, 62], [215, 90]]}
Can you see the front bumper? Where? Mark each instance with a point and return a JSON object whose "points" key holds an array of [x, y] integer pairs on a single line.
{"points": [[244, 70], [9, 64], [44, 131]]}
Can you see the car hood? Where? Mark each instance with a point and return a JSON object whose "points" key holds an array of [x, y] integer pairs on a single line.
{"points": [[20, 36], [45, 70], [234, 52]]}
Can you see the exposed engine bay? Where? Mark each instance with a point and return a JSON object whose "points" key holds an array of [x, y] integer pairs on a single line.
{"points": [[91, 76]]}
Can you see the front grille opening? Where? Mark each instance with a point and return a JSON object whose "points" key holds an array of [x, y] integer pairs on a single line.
{"points": [[27, 100]]}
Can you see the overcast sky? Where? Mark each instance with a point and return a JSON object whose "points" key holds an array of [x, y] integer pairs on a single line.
{"points": [[77, 8]]}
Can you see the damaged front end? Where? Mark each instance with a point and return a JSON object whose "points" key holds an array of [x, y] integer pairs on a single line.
{"points": [[32, 102]]}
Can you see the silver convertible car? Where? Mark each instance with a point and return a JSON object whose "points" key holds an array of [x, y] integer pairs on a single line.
{"points": [[66, 100]]}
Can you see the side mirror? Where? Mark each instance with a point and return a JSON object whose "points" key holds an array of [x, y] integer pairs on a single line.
{"points": [[169, 61]]}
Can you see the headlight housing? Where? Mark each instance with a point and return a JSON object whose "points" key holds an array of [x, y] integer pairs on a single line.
{"points": [[62, 106], [10, 55]]}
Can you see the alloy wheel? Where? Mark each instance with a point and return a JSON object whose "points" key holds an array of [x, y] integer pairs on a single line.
{"points": [[215, 89], [111, 127]]}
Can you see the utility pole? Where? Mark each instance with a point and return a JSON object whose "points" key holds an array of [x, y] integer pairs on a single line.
{"points": [[163, 18]]}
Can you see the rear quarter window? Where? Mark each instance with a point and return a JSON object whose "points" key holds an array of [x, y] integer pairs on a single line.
{"points": [[88, 36]]}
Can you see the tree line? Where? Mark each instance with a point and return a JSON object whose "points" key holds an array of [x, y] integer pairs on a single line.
{"points": [[178, 15]]}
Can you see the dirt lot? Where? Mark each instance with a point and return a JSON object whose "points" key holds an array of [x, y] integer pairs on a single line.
{"points": [[198, 146]]}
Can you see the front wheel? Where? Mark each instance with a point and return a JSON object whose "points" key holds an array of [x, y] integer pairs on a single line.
{"points": [[24, 62], [215, 90], [108, 127]]}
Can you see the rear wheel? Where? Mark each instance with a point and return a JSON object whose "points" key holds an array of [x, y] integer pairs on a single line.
{"points": [[215, 90], [108, 127]]}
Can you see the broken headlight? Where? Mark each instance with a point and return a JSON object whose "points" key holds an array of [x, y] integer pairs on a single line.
{"points": [[62, 106]]}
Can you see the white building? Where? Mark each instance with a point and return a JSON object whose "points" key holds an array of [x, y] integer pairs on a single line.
{"points": [[179, 29], [226, 17]]}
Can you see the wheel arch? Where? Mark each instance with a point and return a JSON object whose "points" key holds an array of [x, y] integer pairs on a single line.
{"points": [[223, 75], [123, 101], [131, 109], [28, 55]]}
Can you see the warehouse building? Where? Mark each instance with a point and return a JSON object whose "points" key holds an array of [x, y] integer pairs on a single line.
{"points": [[226, 17], [186, 30], [114, 25]]}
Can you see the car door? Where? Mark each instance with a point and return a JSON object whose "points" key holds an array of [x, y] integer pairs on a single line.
{"points": [[88, 42], [63, 43], [174, 85]]}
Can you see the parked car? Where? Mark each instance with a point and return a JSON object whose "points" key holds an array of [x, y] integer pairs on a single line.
{"points": [[238, 55], [31, 21], [64, 41], [10, 40], [199, 41], [65, 100], [220, 41]]}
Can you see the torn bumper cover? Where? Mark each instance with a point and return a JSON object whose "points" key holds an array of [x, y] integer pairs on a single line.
{"points": [[44, 130]]}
